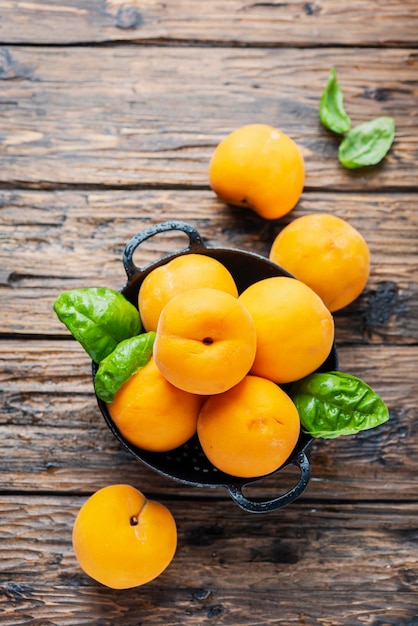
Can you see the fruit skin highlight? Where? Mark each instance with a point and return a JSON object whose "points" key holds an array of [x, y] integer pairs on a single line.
{"points": [[260, 167], [295, 330], [123, 540], [188, 271], [205, 341], [250, 430], [327, 254], [152, 414]]}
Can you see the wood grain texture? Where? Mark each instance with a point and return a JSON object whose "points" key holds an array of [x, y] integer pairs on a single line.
{"points": [[287, 561], [61, 605], [53, 437], [152, 116], [51, 242], [109, 114], [236, 22]]}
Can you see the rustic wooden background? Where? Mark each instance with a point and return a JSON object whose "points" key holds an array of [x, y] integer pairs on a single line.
{"points": [[109, 113]]}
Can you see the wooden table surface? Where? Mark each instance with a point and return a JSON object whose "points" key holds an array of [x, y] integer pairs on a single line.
{"points": [[109, 113]]}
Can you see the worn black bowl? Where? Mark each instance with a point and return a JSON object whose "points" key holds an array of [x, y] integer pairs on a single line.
{"points": [[187, 463]]}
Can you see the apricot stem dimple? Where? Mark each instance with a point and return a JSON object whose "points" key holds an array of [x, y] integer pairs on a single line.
{"points": [[134, 519], [208, 341]]}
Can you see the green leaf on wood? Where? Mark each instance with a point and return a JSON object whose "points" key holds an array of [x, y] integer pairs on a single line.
{"points": [[98, 317], [331, 108], [334, 403], [367, 143]]}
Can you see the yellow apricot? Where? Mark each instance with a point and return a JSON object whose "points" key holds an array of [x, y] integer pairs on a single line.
{"points": [[187, 271], [123, 540], [295, 330], [205, 341], [249, 430], [328, 254], [260, 167], [151, 413]]}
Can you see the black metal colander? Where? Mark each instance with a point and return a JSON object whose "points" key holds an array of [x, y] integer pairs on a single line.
{"points": [[187, 463]]}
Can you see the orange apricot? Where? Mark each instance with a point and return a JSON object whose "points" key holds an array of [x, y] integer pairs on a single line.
{"points": [[151, 413], [260, 167], [205, 341], [295, 330], [185, 272], [328, 254], [249, 430], [123, 540]]}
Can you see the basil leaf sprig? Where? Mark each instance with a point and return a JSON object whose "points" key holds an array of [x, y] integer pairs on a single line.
{"points": [[98, 318], [367, 143], [364, 145], [334, 403], [126, 359], [331, 108]]}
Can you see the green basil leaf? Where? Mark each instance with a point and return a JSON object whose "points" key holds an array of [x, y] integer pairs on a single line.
{"points": [[367, 143], [333, 404], [126, 359], [331, 107], [99, 318]]}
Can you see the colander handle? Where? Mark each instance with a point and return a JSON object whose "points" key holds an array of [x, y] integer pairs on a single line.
{"points": [[195, 242], [266, 506]]}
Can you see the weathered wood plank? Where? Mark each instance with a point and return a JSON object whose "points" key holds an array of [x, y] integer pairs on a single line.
{"points": [[53, 438], [50, 242], [236, 22], [287, 561], [153, 116], [58, 605]]}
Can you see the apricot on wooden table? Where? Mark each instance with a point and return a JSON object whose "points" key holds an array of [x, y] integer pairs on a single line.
{"points": [[328, 254], [123, 540], [259, 167]]}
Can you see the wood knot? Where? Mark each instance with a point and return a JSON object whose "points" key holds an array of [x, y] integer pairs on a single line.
{"points": [[379, 94], [11, 69], [310, 8], [382, 305], [128, 18]]}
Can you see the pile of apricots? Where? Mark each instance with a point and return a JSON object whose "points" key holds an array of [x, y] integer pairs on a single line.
{"points": [[219, 358]]}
